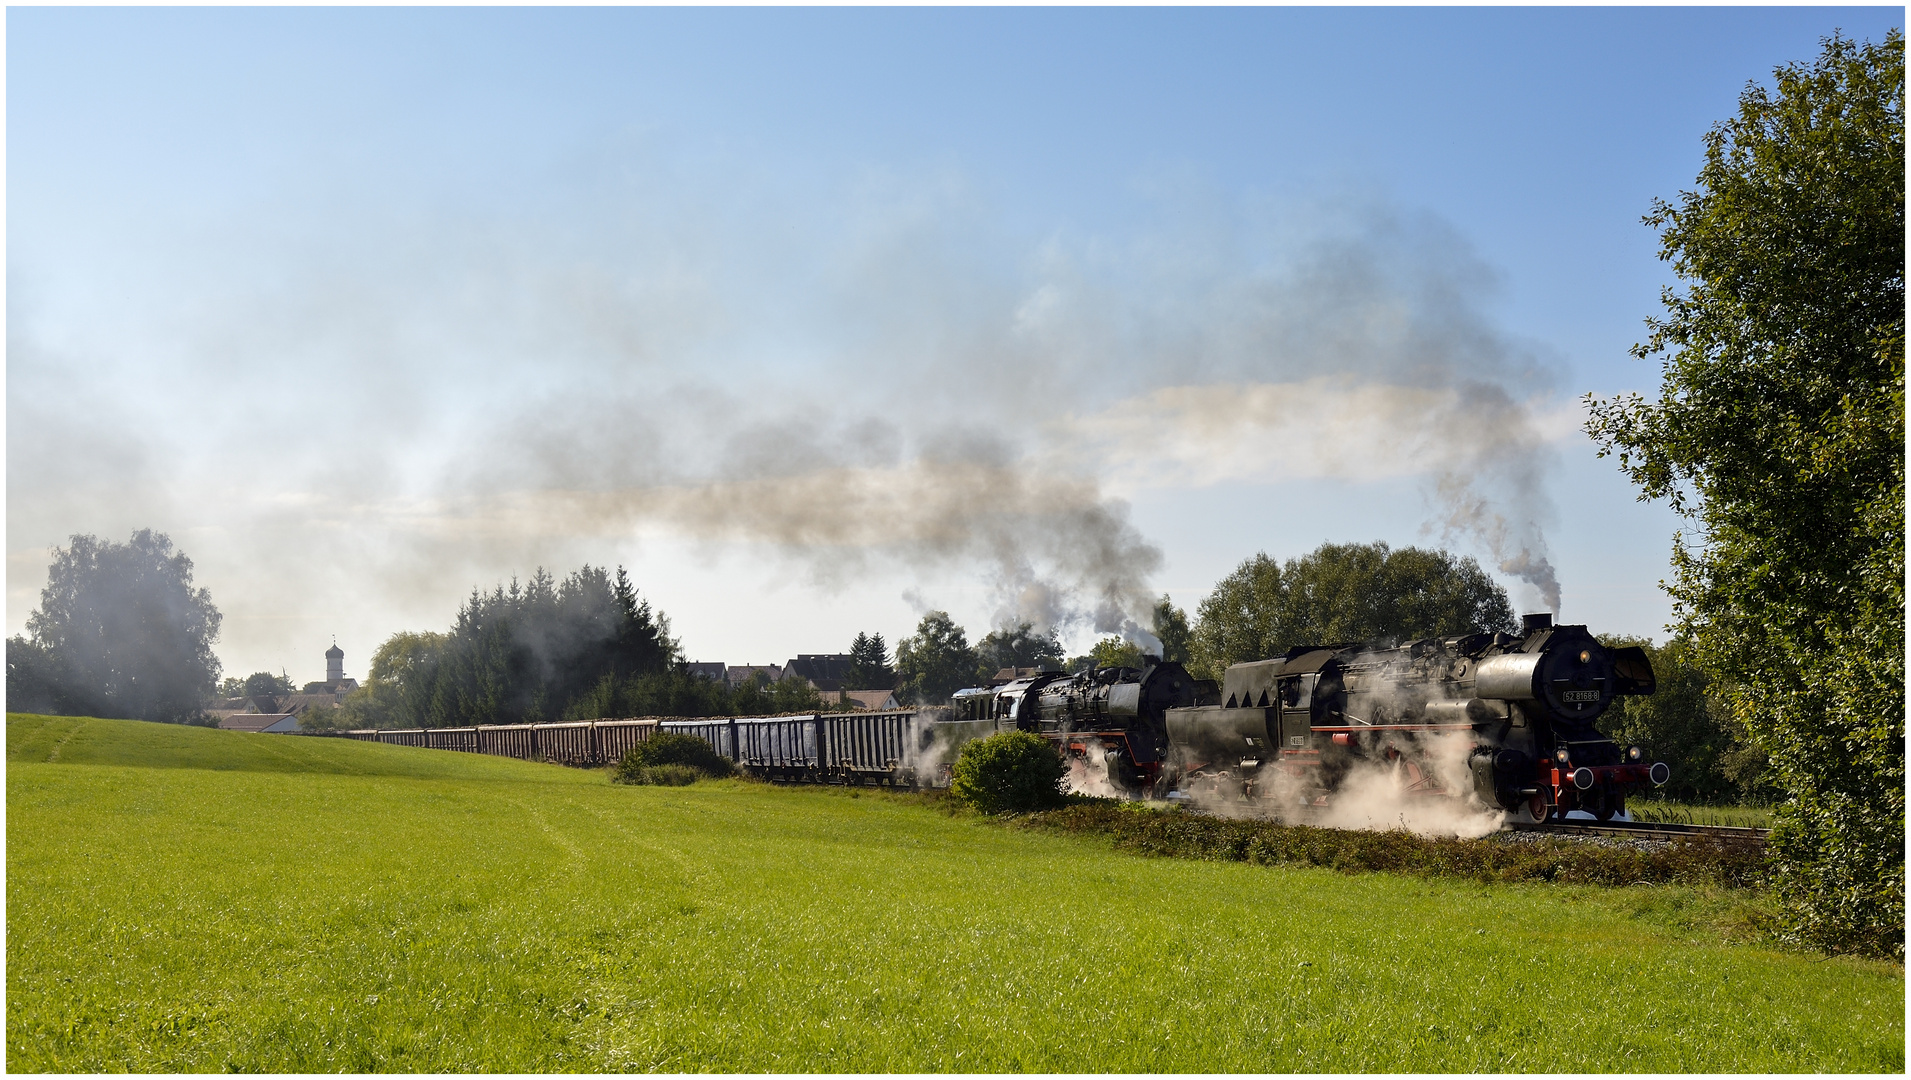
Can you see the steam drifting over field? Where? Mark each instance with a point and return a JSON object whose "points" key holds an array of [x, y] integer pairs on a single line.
{"points": [[908, 387]]}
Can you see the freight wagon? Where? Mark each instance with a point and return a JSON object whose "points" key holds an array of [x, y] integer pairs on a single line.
{"points": [[898, 748]]}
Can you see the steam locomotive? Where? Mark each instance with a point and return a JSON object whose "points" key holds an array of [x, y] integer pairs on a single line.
{"points": [[1507, 720]]}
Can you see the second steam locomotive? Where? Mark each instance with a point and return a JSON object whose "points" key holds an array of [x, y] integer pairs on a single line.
{"points": [[1501, 719]]}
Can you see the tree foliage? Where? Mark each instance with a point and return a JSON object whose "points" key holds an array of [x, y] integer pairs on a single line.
{"points": [[1010, 771], [526, 654], [935, 661], [1343, 593], [120, 632], [399, 688], [1177, 636], [257, 684], [1687, 722], [1171, 628], [580, 649], [675, 692], [1779, 430], [1016, 647], [1108, 651], [869, 664]]}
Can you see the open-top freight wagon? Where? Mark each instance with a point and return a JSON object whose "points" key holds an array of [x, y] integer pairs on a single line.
{"points": [[898, 748]]}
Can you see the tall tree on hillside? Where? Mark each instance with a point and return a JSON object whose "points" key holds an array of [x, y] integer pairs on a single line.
{"points": [[1779, 430], [935, 661], [120, 631], [1343, 593]]}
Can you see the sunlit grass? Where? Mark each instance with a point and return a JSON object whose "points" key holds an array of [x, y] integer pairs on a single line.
{"points": [[386, 908], [1665, 811]]}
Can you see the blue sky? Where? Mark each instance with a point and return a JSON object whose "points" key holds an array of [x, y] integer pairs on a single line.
{"points": [[366, 307]]}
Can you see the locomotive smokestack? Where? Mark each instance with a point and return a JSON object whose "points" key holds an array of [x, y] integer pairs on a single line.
{"points": [[1536, 620]]}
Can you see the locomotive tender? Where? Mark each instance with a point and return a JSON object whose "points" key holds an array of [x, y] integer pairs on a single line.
{"points": [[1503, 719]]}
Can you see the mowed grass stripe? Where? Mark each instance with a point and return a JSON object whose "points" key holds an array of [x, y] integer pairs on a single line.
{"points": [[184, 899]]}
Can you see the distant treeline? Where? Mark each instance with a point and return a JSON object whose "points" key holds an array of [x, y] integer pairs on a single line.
{"points": [[579, 648]]}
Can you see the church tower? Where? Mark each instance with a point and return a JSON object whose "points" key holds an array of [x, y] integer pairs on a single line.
{"points": [[334, 663]]}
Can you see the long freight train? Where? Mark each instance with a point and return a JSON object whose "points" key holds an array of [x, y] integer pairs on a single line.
{"points": [[1500, 719], [892, 749]]}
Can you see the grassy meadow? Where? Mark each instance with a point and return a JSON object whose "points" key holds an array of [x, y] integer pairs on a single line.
{"points": [[197, 900]]}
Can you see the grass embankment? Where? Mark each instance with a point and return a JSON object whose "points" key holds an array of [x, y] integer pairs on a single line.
{"points": [[1184, 834], [185, 899]]}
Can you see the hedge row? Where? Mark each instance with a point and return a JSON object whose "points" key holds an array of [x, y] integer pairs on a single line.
{"points": [[1182, 834]]}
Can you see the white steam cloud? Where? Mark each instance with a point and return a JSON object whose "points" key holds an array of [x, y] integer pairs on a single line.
{"points": [[1427, 789], [901, 383]]}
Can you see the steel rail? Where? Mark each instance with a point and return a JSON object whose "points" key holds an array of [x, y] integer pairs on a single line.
{"points": [[1728, 834]]}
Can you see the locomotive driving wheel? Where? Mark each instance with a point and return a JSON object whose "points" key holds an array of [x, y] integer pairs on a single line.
{"points": [[1122, 775]]}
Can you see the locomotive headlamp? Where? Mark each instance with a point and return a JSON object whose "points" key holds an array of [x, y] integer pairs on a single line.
{"points": [[1633, 753], [1561, 756], [1585, 656]]}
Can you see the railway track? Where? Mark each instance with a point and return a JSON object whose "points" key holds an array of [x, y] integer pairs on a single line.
{"points": [[1718, 834]]}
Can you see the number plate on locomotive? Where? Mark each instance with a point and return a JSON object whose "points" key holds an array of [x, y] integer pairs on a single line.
{"points": [[1579, 695]]}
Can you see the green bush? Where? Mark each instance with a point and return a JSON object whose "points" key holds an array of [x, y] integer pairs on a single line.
{"points": [[1008, 772], [670, 751], [662, 775]]}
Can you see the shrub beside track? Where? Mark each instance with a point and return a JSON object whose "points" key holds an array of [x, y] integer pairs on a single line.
{"points": [[1497, 858]]}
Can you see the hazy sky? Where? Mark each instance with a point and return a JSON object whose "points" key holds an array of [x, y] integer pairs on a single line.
{"points": [[817, 319]]}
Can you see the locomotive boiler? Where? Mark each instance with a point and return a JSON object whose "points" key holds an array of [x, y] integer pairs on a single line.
{"points": [[1505, 719]]}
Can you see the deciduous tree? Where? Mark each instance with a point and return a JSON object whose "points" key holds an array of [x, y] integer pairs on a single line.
{"points": [[1112, 651], [120, 631], [935, 661], [1688, 723], [400, 687], [1016, 646], [1177, 636], [1343, 593], [1779, 431], [264, 684]]}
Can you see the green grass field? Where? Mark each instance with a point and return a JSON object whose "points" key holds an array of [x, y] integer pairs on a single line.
{"points": [[187, 899]]}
